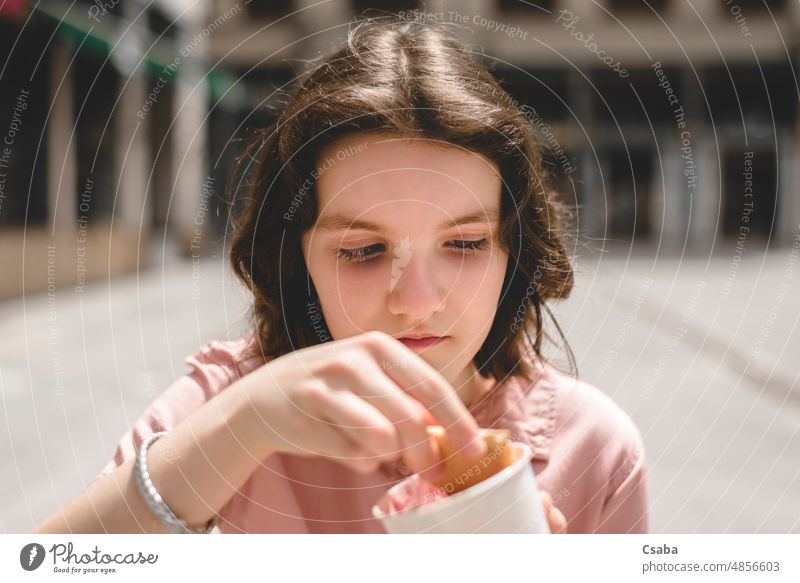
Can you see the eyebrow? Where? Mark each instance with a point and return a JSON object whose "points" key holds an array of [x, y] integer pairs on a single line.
{"points": [[336, 222]]}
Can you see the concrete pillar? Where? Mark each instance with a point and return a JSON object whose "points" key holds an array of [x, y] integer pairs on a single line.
{"points": [[587, 11], [793, 10], [706, 217], [62, 161], [191, 201], [595, 205], [668, 212], [788, 219], [702, 204], [789, 185], [593, 211], [132, 157]]}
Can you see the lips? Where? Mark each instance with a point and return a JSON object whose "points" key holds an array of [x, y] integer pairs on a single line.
{"points": [[420, 343]]}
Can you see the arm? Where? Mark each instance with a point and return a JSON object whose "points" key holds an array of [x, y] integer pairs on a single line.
{"points": [[196, 468], [282, 406], [626, 511]]}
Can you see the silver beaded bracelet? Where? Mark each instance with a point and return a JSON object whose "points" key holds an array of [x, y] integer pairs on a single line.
{"points": [[148, 491]]}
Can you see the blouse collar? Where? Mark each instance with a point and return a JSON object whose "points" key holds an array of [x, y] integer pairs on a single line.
{"points": [[526, 408]]}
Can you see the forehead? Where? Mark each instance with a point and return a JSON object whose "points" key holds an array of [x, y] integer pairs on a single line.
{"points": [[386, 175]]}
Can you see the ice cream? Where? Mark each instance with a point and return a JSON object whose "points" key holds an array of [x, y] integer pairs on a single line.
{"points": [[460, 472], [496, 493]]}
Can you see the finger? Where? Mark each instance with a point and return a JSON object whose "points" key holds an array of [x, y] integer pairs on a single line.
{"points": [[325, 437], [555, 519], [427, 386], [357, 459], [352, 455], [327, 440], [558, 523], [547, 500], [406, 415], [363, 424]]}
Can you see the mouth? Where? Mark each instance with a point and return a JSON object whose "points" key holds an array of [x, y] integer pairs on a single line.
{"points": [[420, 343]]}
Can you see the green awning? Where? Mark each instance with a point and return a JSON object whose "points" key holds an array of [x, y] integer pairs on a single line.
{"points": [[224, 88], [159, 64], [81, 31], [219, 82], [98, 38]]}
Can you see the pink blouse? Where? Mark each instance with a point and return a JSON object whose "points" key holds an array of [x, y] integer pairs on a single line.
{"points": [[587, 453]]}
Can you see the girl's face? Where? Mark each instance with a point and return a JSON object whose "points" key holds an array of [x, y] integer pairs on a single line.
{"points": [[406, 242]]}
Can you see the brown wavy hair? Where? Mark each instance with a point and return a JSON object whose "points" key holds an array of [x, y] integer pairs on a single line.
{"points": [[410, 79]]}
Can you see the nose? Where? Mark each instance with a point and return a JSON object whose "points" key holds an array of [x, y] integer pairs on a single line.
{"points": [[414, 290]]}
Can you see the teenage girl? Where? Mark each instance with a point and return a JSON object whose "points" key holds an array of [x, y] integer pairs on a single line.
{"points": [[401, 244]]}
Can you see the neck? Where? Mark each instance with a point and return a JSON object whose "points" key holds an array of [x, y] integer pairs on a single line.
{"points": [[471, 386]]}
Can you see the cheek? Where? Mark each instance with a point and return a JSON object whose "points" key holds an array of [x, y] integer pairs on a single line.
{"points": [[358, 281], [348, 293], [479, 275]]}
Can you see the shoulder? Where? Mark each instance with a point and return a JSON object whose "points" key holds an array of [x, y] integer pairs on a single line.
{"points": [[597, 426], [584, 405], [598, 460], [220, 363], [219, 352], [587, 450], [591, 424]]}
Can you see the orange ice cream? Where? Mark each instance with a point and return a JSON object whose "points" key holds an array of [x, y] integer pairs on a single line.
{"points": [[460, 472]]}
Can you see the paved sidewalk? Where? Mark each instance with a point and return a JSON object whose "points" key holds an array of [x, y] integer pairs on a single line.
{"points": [[77, 370], [720, 424], [710, 379]]}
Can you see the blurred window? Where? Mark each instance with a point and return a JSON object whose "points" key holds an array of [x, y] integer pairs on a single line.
{"points": [[752, 6], [750, 209], [637, 5], [385, 5], [270, 9], [534, 7], [25, 99], [95, 85]]}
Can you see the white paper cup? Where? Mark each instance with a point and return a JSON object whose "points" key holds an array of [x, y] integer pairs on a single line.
{"points": [[507, 502]]}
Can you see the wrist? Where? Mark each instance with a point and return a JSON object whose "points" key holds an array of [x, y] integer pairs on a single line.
{"points": [[247, 424], [153, 498]]}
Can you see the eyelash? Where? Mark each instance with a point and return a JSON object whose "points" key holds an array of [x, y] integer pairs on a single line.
{"points": [[360, 256]]}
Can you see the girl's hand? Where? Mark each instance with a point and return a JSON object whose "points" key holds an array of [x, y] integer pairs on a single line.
{"points": [[362, 400], [555, 519]]}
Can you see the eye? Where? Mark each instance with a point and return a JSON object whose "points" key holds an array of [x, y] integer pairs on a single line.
{"points": [[360, 255], [369, 253], [469, 247]]}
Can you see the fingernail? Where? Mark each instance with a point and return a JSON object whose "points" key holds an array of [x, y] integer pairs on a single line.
{"points": [[559, 518]]}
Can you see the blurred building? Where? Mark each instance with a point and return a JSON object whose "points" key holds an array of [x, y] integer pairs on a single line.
{"points": [[104, 148], [668, 122], [660, 107]]}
